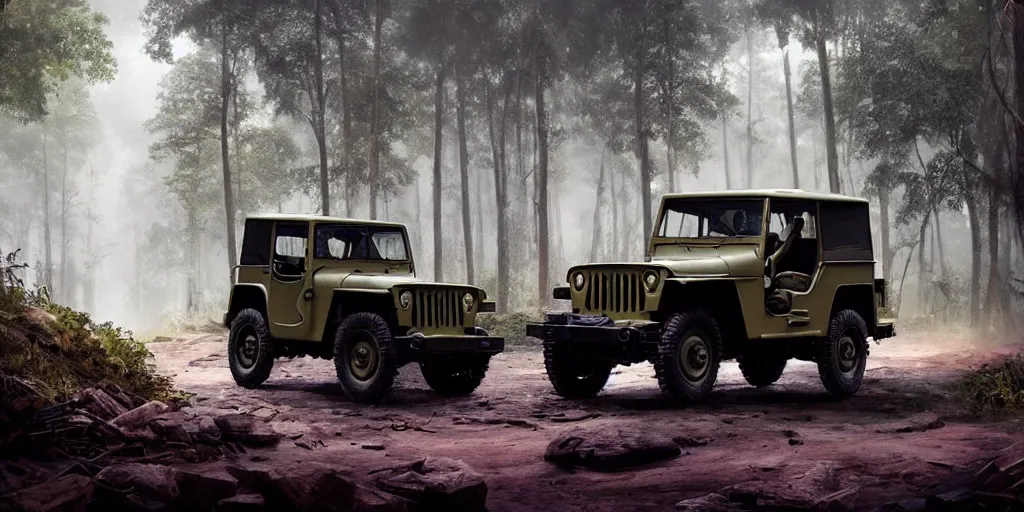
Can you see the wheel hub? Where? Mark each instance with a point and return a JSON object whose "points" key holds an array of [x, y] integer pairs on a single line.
{"points": [[363, 359], [694, 358], [847, 354], [248, 349]]}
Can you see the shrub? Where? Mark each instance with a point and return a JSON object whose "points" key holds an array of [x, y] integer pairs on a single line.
{"points": [[511, 326], [994, 388]]}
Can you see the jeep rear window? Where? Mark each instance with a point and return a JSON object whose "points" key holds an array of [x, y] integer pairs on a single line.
{"points": [[703, 218], [360, 243]]}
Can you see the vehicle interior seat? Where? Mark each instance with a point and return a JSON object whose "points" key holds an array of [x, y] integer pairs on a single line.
{"points": [[790, 279]]}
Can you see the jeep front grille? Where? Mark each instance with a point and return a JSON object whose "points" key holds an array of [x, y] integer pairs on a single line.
{"points": [[615, 291], [438, 308]]}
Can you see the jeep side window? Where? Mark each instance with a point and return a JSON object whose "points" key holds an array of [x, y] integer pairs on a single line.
{"points": [[290, 249], [357, 243]]}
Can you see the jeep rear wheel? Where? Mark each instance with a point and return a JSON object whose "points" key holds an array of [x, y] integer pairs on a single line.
{"points": [[455, 375], [573, 377], [844, 354], [365, 357], [250, 349], [761, 369], [689, 355]]}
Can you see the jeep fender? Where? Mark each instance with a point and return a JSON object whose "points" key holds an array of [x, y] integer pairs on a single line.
{"points": [[252, 295], [720, 296], [345, 301]]}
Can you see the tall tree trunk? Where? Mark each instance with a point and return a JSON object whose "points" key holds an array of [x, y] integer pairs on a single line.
{"points": [[225, 89], [725, 149], [883, 204], [792, 122], [543, 263], [830, 120], [321, 107], [975, 225], [995, 285], [346, 133], [615, 215], [1017, 164], [375, 115], [64, 289], [922, 270], [938, 242], [750, 109], [47, 243], [596, 238], [500, 193], [642, 149], [438, 146], [467, 220], [236, 126], [670, 100]]}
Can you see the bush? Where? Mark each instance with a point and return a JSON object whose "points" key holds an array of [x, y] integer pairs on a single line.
{"points": [[49, 352], [995, 388], [511, 326]]}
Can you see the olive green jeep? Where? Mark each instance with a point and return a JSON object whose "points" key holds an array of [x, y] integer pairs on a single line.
{"points": [[351, 295], [757, 276]]}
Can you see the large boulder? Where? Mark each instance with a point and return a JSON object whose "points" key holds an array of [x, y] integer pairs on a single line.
{"points": [[149, 481], [243, 503], [202, 491], [306, 486], [139, 417], [436, 483], [68, 493], [609, 449], [372, 500], [247, 430]]}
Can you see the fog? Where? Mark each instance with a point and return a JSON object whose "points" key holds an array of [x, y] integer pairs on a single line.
{"points": [[128, 256]]}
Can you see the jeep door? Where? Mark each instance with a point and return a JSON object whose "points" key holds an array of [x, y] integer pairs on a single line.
{"points": [[286, 306]]}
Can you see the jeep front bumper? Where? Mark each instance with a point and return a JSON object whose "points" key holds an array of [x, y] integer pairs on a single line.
{"points": [[443, 344], [588, 337]]}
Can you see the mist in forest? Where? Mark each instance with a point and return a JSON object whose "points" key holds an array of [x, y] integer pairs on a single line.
{"points": [[545, 122]]}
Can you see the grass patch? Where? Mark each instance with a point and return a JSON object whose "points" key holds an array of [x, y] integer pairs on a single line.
{"points": [[49, 352], [994, 388], [511, 326]]}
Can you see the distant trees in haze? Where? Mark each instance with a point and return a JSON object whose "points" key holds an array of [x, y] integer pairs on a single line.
{"points": [[502, 108]]}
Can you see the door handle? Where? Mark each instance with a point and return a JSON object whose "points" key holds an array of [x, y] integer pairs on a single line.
{"points": [[266, 271]]}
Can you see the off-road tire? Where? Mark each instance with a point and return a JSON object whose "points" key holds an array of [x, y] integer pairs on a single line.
{"points": [[374, 330], [676, 335], [455, 375], [762, 370], [847, 331], [250, 322], [572, 377]]}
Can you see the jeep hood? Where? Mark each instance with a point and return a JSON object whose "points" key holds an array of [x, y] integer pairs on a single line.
{"points": [[735, 261], [379, 281]]}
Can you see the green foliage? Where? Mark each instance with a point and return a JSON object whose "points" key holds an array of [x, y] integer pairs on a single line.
{"points": [[59, 351], [994, 388], [46, 43], [510, 326]]}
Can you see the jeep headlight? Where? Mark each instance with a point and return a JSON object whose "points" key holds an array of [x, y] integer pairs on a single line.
{"points": [[578, 281], [468, 301], [651, 279], [405, 299]]}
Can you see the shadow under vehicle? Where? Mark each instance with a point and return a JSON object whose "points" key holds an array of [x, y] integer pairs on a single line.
{"points": [[760, 276], [352, 296]]}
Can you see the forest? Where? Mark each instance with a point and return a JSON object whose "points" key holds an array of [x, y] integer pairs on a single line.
{"points": [[513, 137]]}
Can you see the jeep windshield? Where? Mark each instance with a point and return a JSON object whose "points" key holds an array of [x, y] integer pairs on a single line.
{"points": [[711, 218], [344, 242]]}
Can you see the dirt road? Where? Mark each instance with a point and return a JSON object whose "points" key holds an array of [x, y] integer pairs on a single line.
{"points": [[786, 442]]}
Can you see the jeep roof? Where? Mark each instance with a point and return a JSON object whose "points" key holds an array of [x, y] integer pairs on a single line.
{"points": [[780, 193]]}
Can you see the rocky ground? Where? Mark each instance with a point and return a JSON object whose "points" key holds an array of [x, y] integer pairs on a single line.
{"points": [[514, 445]]}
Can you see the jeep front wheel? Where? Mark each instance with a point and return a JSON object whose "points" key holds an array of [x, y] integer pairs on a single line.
{"points": [[688, 357], [365, 357], [455, 375], [844, 354], [250, 349], [573, 377]]}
